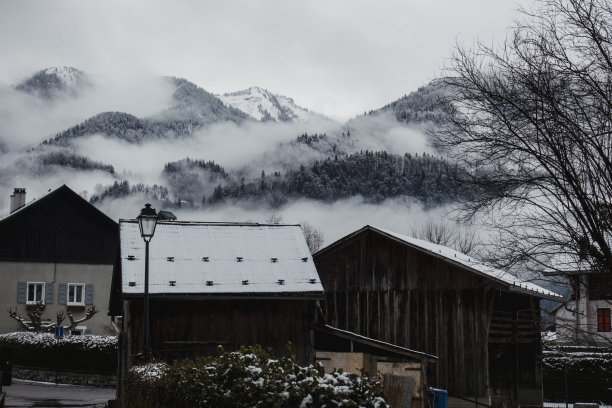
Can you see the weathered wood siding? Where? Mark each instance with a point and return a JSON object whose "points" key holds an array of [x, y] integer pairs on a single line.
{"points": [[188, 328], [384, 289]]}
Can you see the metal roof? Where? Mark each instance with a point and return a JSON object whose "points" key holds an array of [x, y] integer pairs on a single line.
{"points": [[224, 259], [375, 343]]}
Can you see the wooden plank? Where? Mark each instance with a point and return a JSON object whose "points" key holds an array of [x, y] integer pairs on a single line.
{"points": [[398, 390]]}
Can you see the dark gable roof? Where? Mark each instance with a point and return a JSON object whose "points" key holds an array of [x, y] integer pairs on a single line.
{"points": [[61, 226], [465, 262]]}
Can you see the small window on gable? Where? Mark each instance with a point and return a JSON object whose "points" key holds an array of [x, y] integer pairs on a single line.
{"points": [[78, 331], [76, 294], [603, 319], [35, 293]]}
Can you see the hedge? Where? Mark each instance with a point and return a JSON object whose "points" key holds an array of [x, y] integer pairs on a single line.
{"points": [[250, 377], [75, 353], [586, 371]]}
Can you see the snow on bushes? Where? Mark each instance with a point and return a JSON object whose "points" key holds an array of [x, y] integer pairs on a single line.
{"points": [[42, 350], [578, 358], [248, 378]]}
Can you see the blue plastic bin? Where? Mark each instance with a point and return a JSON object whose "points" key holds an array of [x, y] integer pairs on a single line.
{"points": [[440, 398]]}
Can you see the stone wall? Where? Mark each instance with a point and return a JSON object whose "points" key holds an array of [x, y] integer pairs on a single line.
{"points": [[64, 377]]}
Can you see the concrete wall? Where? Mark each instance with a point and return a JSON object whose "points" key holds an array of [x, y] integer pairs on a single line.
{"points": [[348, 362], [97, 275], [65, 377], [353, 362]]}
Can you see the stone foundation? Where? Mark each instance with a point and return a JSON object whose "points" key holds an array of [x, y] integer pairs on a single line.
{"points": [[64, 377]]}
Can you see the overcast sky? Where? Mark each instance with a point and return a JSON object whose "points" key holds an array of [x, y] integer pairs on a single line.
{"points": [[339, 58]]}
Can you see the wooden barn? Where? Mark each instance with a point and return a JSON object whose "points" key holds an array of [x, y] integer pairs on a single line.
{"points": [[217, 284], [483, 324], [59, 250]]}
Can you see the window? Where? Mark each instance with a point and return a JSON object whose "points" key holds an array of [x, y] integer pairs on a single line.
{"points": [[78, 331], [35, 293], [76, 294], [603, 319]]}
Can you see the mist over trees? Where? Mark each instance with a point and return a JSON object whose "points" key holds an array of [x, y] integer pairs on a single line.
{"points": [[71, 160], [425, 105], [533, 124], [376, 176], [191, 108]]}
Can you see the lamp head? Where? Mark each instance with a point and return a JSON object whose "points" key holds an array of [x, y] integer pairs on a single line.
{"points": [[147, 220]]}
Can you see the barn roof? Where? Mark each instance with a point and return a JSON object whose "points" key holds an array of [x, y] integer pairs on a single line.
{"points": [[219, 259], [51, 194], [60, 226], [567, 264], [464, 261]]}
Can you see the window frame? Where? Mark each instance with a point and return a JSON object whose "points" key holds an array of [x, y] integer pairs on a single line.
{"points": [[81, 329], [75, 303], [604, 320], [42, 293]]}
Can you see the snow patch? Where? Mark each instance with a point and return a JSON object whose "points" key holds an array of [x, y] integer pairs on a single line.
{"points": [[263, 105]]}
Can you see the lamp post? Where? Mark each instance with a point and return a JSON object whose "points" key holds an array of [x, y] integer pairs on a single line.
{"points": [[147, 220]]}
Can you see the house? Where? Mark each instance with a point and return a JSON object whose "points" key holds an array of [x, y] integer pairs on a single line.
{"points": [[583, 318], [483, 324], [216, 284], [58, 250]]}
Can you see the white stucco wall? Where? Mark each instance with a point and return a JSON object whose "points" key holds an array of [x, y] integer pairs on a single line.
{"points": [[581, 328], [97, 275]]}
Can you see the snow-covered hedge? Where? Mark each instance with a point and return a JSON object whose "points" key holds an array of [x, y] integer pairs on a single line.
{"points": [[250, 377], [586, 371], [92, 353]]}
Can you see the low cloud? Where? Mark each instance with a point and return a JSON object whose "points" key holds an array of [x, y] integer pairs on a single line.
{"points": [[26, 120], [334, 220]]}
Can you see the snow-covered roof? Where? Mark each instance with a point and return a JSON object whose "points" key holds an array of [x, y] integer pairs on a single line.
{"points": [[514, 283], [567, 264], [219, 259]]}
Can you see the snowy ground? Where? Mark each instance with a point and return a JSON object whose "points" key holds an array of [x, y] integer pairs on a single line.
{"points": [[562, 405], [37, 394]]}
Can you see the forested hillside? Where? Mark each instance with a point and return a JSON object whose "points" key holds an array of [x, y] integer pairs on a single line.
{"points": [[426, 104], [375, 176]]}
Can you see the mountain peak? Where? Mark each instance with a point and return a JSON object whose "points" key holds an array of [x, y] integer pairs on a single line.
{"points": [[264, 105], [53, 81]]}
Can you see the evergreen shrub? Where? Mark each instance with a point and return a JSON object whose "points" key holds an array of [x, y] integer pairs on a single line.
{"points": [[250, 377]]}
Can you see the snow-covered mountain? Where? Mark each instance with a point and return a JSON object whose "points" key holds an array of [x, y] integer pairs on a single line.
{"points": [[191, 108], [193, 133], [53, 81], [263, 105]]}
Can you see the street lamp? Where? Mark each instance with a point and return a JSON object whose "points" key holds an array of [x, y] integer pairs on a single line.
{"points": [[147, 220]]}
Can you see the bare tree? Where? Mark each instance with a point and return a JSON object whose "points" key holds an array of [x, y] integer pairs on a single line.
{"points": [[533, 125], [434, 231], [440, 232], [274, 219], [36, 323], [314, 237]]}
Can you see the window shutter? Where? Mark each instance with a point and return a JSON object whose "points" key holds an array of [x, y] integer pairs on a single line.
{"points": [[62, 293], [22, 287], [49, 293], [89, 294]]}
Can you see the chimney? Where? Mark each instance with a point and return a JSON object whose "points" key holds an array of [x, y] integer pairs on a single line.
{"points": [[17, 199]]}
